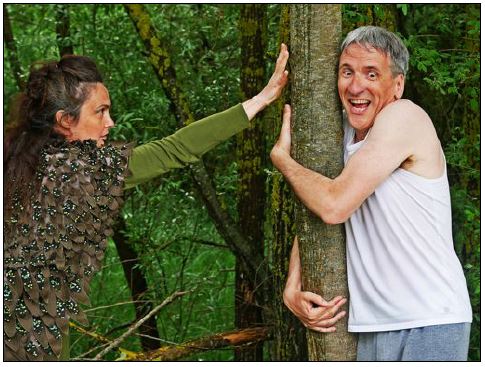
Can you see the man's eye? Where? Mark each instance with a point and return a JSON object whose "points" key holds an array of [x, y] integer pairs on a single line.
{"points": [[346, 73], [372, 75]]}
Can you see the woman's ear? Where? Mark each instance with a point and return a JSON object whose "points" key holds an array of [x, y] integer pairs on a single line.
{"points": [[62, 119], [63, 123]]}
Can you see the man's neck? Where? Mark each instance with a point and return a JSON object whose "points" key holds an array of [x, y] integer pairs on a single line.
{"points": [[360, 135]]}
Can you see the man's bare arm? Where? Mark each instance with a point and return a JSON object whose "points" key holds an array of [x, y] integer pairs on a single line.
{"points": [[310, 308], [391, 142]]}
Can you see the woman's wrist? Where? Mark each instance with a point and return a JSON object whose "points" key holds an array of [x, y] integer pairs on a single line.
{"points": [[254, 105]]}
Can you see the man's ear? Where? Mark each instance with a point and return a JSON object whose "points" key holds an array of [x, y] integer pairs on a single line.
{"points": [[399, 86]]}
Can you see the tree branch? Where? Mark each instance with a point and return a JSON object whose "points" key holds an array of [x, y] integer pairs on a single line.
{"points": [[131, 330], [217, 341]]}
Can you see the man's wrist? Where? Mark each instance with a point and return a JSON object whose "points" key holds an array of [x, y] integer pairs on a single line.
{"points": [[281, 160]]}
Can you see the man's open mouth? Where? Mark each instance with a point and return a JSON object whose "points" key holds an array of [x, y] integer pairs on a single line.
{"points": [[359, 105]]}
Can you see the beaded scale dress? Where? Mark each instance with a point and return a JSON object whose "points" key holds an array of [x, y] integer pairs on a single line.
{"points": [[52, 250]]}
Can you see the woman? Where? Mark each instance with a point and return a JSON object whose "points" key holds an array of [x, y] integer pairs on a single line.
{"points": [[63, 189]]}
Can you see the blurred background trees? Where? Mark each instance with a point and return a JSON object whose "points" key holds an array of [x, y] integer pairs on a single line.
{"points": [[170, 238]]}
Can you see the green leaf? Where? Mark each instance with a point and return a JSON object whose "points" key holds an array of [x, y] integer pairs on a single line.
{"points": [[474, 105], [404, 8]]}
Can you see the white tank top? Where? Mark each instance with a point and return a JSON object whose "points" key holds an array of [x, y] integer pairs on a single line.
{"points": [[402, 268]]}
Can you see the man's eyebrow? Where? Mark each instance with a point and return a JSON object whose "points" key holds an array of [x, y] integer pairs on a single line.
{"points": [[344, 65], [372, 67], [103, 105]]}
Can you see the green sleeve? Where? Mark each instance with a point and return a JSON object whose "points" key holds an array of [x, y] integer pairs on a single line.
{"points": [[185, 146]]}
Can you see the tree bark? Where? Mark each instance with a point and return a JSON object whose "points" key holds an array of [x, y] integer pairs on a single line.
{"points": [[289, 340], [63, 34], [317, 138], [251, 189], [159, 58], [12, 48], [138, 286]]}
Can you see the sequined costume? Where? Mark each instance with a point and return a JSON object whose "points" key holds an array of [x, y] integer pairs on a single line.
{"points": [[50, 256]]}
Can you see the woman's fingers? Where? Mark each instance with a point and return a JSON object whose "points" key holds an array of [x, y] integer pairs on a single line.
{"points": [[282, 60]]}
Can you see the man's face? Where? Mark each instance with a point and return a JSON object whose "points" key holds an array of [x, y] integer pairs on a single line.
{"points": [[366, 85]]}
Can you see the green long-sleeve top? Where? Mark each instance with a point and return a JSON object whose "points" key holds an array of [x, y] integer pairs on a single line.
{"points": [[185, 146]]}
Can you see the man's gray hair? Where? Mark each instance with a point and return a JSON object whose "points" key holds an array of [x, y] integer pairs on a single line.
{"points": [[382, 40]]}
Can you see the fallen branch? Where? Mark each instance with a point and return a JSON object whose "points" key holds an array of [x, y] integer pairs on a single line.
{"points": [[217, 341], [92, 334], [135, 326], [99, 338]]}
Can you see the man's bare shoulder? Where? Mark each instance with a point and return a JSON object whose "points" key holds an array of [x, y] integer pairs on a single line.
{"points": [[406, 112], [407, 126]]}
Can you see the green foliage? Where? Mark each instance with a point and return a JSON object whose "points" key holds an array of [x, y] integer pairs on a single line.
{"points": [[463, 157]]}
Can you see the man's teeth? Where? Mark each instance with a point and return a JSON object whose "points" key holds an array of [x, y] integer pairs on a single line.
{"points": [[359, 101]]}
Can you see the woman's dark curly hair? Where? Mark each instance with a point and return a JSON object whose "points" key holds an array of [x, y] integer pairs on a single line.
{"points": [[51, 87]]}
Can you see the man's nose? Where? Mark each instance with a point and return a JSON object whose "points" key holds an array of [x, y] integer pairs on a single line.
{"points": [[356, 85]]}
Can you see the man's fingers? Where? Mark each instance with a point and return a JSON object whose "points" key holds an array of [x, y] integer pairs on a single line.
{"points": [[315, 299], [334, 319], [327, 322], [333, 310], [324, 330], [287, 116], [335, 300]]}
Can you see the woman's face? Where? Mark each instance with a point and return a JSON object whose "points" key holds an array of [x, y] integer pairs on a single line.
{"points": [[94, 120]]}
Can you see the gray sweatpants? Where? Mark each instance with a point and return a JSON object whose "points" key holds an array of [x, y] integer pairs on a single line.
{"points": [[447, 342]]}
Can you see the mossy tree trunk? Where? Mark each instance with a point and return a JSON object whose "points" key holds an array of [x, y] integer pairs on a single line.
{"points": [[317, 143], [289, 335], [251, 189], [138, 285]]}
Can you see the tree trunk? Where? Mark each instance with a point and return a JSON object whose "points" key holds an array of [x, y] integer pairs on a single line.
{"points": [[289, 339], [250, 156], [12, 48], [64, 41], [317, 138], [138, 286]]}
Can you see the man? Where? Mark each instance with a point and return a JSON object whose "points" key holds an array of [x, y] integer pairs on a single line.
{"points": [[408, 295]]}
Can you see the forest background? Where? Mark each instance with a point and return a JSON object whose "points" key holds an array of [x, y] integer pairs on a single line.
{"points": [[170, 238]]}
